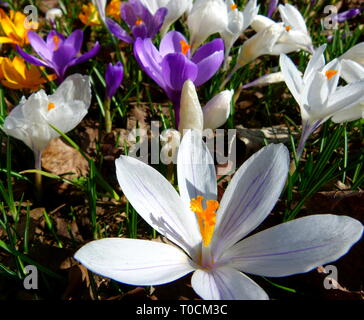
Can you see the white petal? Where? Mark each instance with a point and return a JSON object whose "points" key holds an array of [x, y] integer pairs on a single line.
{"points": [[135, 262], [292, 17], [351, 71], [355, 53], [250, 196], [195, 169], [316, 63], [191, 116], [155, 199], [296, 246], [292, 77], [260, 23], [226, 283], [349, 114], [217, 110]]}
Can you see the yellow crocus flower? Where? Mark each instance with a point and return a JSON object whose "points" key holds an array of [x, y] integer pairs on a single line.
{"points": [[89, 15], [113, 9], [13, 28], [15, 74]]}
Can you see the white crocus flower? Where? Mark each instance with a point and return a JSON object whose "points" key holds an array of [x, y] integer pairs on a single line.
{"points": [[294, 33], [317, 92], [237, 22], [351, 72], [213, 115], [206, 18], [208, 234], [176, 8], [30, 120]]}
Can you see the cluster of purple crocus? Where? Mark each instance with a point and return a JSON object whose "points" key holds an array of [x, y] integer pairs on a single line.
{"points": [[58, 52], [173, 64], [139, 20]]}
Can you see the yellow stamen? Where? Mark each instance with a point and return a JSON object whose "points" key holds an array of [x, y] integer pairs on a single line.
{"points": [[288, 28], [184, 47], [233, 6], [330, 73], [206, 218], [56, 42], [51, 106], [139, 22]]}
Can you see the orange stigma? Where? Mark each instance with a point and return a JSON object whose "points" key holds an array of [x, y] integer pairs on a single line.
{"points": [[56, 42], [330, 73], [139, 22], [288, 28], [51, 106], [233, 6], [206, 218], [184, 47]]}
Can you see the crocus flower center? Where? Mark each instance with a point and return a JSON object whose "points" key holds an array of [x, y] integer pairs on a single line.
{"points": [[51, 106], [138, 22], [288, 28], [184, 47], [206, 218], [56, 42], [330, 73], [233, 6]]}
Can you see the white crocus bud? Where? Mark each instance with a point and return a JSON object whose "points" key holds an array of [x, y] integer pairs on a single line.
{"points": [[170, 141], [206, 18], [30, 120], [265, 80], [53, 14], [191, 116], [217, 110]]}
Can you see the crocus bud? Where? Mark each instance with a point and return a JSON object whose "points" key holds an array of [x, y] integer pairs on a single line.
{"points": [[273, 4], [113, 77], [30, 120], [217, 110], [53, 14], [265, 80], [191, 116], [170, 141], [206, 18]]}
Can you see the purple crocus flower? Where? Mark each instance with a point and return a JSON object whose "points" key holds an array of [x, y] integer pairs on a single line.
{"points": [[172, 64], [273, 4], [57, 52], [140, 21], [349, 14], [113, 77]]}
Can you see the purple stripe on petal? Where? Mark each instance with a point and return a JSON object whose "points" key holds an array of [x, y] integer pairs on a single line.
{"points": [[177, 69]]}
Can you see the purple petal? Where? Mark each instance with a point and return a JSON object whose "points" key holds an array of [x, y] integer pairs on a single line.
{"points": [[61, 59], [349, 14], [113, 77], [118, 31], [39, 46], [29, 58], [208, 49], [75, 40], [140, 31], [158, 21], [171, 43], [208, 67], [177, 69], [149, 60], [86, 56], [50, 40], [128, 13], [272, 7]]}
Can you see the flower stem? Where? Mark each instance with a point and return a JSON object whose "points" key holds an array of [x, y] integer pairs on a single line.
{"points": [[108, 122], [38, 176]]}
